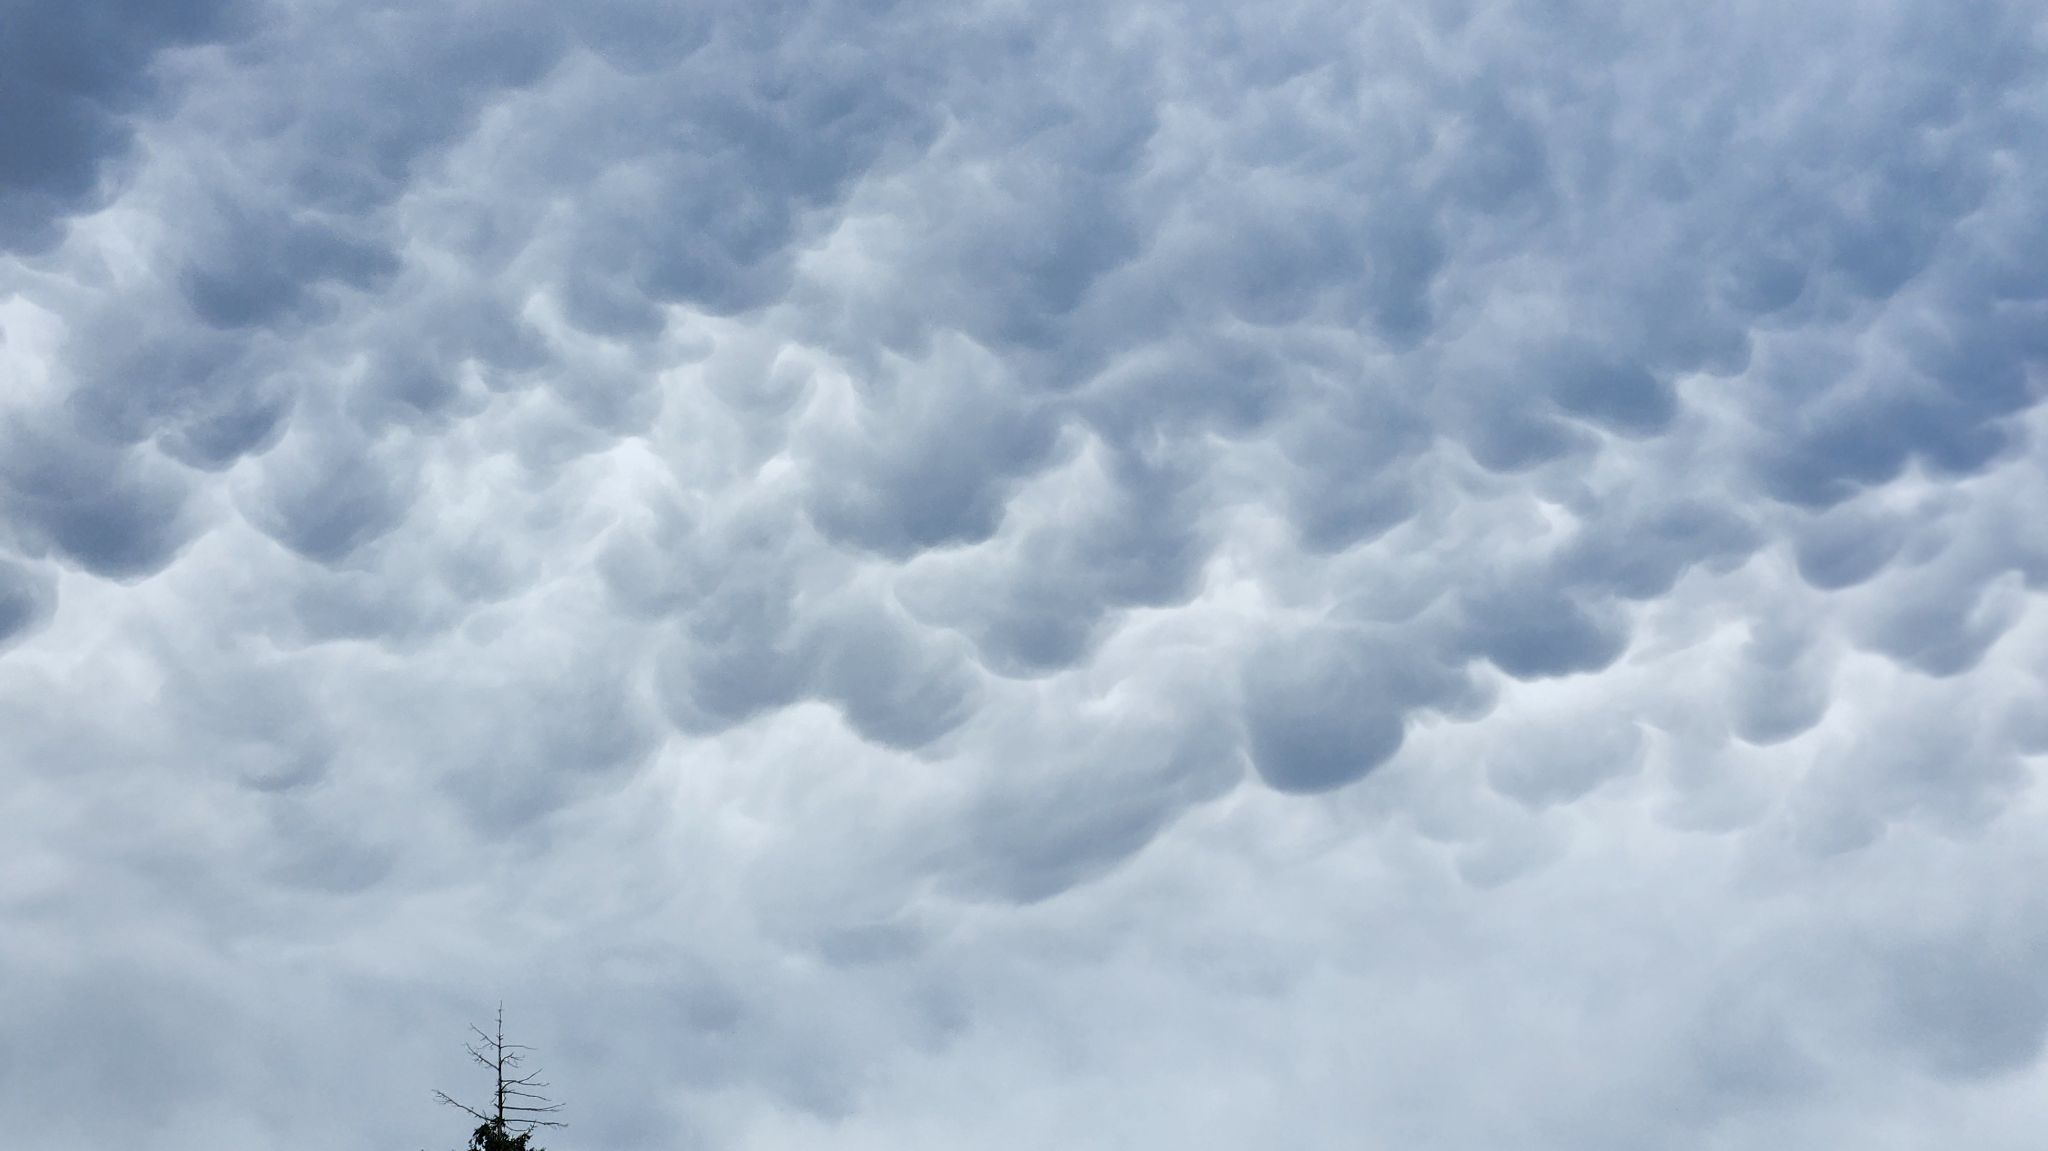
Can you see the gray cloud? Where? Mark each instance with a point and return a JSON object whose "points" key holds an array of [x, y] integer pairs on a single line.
{"points": [[76, 75], [25, 600], [874, 571]]}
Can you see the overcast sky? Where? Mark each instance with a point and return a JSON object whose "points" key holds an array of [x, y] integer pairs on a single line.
{"points": [[1311, 574]]}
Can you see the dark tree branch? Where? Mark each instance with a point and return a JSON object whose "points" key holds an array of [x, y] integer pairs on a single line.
{"points": [[442, 1096], [514, 1112]]}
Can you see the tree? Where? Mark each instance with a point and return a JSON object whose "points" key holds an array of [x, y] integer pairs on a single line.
{"points": [[517, 1109]]}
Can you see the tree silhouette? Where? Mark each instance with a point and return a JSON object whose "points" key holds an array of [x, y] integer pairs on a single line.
{"points": [[517, 1108]]}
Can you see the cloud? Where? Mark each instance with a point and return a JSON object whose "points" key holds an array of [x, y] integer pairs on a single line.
{"points": [[1175, 575], [25, 601], [75, 76]]}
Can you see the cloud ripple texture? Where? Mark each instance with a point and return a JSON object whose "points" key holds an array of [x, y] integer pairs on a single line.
{"points": [[1455, 573]]}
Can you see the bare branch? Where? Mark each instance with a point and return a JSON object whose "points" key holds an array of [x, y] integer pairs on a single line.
{"points": [[442, 1096], [515, 1103]]}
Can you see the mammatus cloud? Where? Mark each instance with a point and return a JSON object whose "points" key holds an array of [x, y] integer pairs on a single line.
{"points": [[1177, 575]]}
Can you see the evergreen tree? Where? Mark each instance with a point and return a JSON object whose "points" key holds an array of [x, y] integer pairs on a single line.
{"points": [[517, 1108]]}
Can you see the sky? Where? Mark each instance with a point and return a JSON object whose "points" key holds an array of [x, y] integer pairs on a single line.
{"points": [[1321, 574]]}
